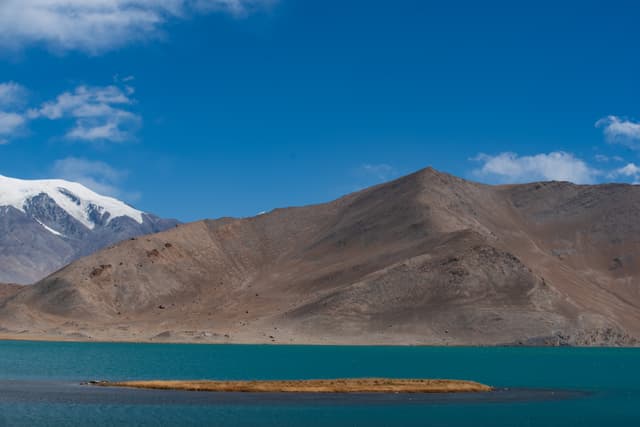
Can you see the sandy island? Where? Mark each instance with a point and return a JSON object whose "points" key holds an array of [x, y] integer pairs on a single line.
{"points": [[360, 385]]}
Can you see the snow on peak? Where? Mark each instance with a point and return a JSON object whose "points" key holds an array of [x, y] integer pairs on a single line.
{"points": [[76, 199]]}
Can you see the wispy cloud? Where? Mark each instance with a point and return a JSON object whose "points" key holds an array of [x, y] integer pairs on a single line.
{"points": [[95, 26], [512, 168], [380, 172], [12, 120], [96, 175], [620, 131], [99, 113], [601, 158], [366, 175], [12, 95]]}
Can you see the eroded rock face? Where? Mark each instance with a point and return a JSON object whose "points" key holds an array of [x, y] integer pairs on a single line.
{"points": [[426, 259]]}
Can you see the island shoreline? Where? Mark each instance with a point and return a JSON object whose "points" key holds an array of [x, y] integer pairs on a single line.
{"points": [[346, 385]]}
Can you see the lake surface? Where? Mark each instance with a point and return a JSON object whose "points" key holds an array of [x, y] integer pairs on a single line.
{"points": [[40, 385]]}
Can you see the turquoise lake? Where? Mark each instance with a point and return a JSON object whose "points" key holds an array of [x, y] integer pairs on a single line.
{"points": [[39, 385]]}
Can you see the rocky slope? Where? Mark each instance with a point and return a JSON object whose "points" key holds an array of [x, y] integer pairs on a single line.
{"points": [[8, 290], [426, 259], [46, 224]]}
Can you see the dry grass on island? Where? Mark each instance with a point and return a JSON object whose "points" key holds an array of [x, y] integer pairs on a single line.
{"points": [[360, 385]]}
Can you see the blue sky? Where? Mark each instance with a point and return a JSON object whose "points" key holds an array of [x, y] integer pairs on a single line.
{"points": [[210, 108]]}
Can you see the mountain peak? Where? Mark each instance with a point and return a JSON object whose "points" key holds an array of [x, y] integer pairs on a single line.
{"points": [[81, 203], [45, 224]]}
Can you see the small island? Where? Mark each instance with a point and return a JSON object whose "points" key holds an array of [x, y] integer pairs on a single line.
{"points": [[355, 385]]}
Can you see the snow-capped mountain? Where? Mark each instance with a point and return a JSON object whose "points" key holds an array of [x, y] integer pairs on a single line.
{"points": [[45, 224]]}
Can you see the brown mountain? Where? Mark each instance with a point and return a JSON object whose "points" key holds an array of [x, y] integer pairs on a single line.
{"points": [[426, 259], [8, 290]]}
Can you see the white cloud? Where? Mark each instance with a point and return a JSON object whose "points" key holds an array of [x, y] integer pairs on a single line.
{"points": [[621, 131], [12, 95], [631, 171], [96, 26], [96, 175], [556, 166], [99, 113], [12, 121]]}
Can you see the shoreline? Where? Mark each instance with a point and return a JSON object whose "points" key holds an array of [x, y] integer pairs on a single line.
{"points": [[30, 391], [352, 385], [52, 339]]}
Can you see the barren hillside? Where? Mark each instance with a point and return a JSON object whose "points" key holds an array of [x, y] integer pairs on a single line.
{"points": [[426, 259]]}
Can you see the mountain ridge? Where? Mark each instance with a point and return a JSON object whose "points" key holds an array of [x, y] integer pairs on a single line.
{"points": [[426, 259]]}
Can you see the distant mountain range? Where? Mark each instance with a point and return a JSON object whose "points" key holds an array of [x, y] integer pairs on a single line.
{"points": [[426, 259], [46, 224]]}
